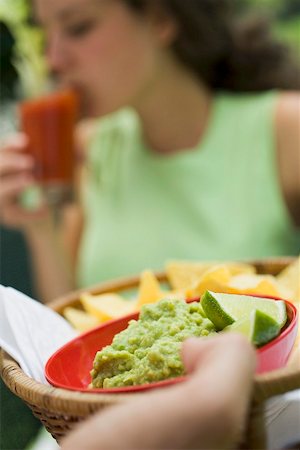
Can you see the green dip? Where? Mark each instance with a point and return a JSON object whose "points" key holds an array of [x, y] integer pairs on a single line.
{"points": [[149, 348]]}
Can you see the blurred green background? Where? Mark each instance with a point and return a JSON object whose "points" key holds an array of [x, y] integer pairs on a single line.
{"points": [[286, 16], [17, 425]]}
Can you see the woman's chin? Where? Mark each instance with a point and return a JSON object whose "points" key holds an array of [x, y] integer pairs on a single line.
{"points": [[99, 111], [88, 110], [98, 108]]}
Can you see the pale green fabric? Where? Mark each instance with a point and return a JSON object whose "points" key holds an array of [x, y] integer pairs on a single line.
{"points": [[220, 200]]}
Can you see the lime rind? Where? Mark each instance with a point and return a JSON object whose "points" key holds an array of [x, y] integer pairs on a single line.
{"points": [[259, 328], [265, 329], [224, 309], [214, 312]]}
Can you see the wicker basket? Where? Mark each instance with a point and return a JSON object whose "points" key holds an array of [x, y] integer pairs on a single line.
{"points": [[59, 409]]}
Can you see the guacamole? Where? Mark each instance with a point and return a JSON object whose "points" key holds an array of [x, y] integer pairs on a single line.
{"points": [[149, 348]]}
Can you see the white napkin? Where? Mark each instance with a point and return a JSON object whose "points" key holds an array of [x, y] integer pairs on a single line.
{"points": [[30, 332], [282, 416]]}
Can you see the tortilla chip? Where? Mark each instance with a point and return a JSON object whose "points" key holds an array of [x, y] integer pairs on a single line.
{"points": [[149, 290], [80, 320], [289, 278], [184, 274], [107, 306]]}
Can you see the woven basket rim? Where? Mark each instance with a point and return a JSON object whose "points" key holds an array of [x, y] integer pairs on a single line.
{"points": [[66, 401], [79, 403], [50, 397]]}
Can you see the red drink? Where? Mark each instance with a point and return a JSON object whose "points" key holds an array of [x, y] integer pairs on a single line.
{"points": [[49, 124]]}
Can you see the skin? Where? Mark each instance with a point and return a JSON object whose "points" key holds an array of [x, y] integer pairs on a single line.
{"points": [[210, 409], [134, 66], [288, 144]]}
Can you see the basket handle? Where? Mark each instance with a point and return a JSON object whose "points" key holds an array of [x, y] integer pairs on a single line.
{"points": [[295, 357], [277, 382]]}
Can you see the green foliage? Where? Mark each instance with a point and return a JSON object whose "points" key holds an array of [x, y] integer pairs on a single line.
{"points": [[289, 32], [28, 56], [266, 4], [13, 12], [286, 16], [278, 8]]}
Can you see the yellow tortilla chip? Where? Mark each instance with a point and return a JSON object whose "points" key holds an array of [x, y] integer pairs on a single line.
{"points": [[255, 284], [214, 279], [80, 320], [220, 279], [184, 274], [107, 306], [149, 290], [289, 278]]}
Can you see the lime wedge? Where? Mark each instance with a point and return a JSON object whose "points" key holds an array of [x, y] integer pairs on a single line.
{"points": [[259, 327], [225, 309]]}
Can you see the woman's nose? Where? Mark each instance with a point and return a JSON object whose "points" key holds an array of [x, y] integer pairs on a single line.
{"points": [[57, 57]]}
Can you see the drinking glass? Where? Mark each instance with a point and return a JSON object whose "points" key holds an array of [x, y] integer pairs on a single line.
{"points": [[49, 123]]}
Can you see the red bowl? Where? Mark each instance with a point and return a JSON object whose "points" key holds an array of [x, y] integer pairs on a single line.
{"points": [[69, 367]]}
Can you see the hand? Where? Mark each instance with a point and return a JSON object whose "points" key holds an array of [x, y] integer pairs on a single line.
{"points": [[16, 175], [207, 411], [221, 372]]}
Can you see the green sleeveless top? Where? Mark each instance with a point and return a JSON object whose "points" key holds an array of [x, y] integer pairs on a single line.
{"points": [[220, 200]]}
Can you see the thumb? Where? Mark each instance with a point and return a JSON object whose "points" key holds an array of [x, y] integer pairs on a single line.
{"points": [[198, 353], [193, 351]]}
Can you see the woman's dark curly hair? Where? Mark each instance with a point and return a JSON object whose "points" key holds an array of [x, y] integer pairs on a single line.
{"points": [[225, 51]]}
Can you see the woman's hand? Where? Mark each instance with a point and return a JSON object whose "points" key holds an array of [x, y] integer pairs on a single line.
{"points": [[16, 174], [52, 243]]}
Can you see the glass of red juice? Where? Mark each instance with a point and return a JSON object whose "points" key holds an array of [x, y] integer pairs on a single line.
{"points": [[49, 123]]}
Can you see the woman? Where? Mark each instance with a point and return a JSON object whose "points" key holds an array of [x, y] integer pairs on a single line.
{"points": [[196, 157]]}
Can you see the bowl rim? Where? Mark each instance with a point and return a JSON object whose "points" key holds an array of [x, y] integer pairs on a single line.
{"points": [[162, 383]]}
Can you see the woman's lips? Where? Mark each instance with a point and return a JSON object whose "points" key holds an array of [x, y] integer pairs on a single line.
{"points": [[82, 98]]}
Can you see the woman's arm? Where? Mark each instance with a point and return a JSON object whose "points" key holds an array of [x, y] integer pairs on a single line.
{"points": [[288, 145], [53, 249], [207, 411], [54, 246]]}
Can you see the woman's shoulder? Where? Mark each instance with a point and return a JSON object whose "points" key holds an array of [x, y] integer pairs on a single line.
{"points": [[288, 110], [287, 120], [287, 123]]}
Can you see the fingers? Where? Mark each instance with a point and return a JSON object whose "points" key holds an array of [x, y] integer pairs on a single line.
{"points": [[221, 378], [16, 142], [15, 215], [223, 364], [13, 186], [11, 162], [15, 165], [193, 350], [11, 157], [16, 168], [197, 353]]}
